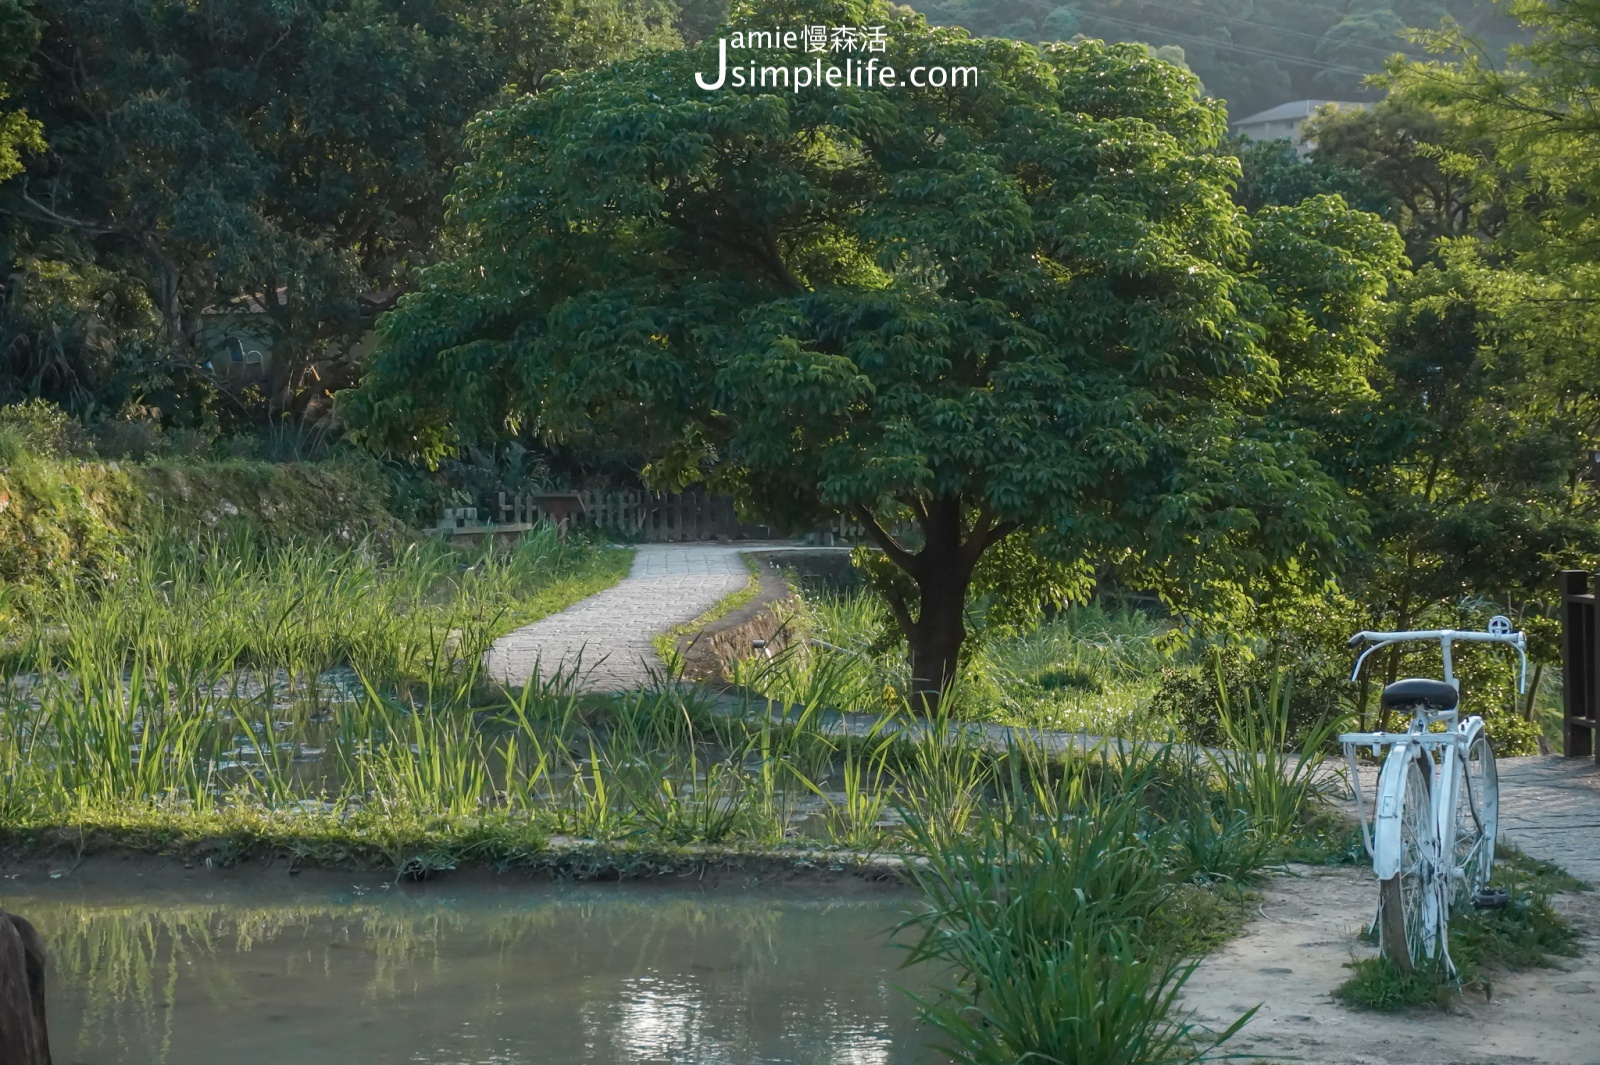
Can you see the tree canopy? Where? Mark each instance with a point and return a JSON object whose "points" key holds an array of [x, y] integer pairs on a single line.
{"points": [[1023, 309], [18, 32], [288, 157]]}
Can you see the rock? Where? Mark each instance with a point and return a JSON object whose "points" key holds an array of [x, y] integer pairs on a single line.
{"points": [[24, 1039]]}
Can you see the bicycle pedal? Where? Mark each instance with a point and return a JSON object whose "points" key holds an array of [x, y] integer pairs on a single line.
{"points": [[1492, 899]]}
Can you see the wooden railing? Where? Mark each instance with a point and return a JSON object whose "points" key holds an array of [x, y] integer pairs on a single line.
{"points": [[845, 529], [1580, 662], [654, 517]]}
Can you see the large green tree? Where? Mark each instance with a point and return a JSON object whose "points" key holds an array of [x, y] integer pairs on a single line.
{"points": [[1471, 454], [1491, 390], [1025, 312], [289, 156]]}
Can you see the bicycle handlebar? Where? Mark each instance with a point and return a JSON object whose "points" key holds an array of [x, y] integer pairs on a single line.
{"points": [[1446, 637], [1516, 639]]}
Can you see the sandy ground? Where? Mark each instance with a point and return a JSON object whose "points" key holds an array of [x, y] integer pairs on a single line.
{"points": [[1292, 957]]}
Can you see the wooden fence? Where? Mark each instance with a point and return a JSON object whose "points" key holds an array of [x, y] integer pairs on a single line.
{"points": [[652, 517], [844, 529]]}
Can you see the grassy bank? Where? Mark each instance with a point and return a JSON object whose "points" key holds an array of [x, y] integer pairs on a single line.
{"points": [[1089, 669], [65, 521]]}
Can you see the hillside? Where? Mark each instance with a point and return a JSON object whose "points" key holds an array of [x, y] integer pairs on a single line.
{"points": [[1252, 53]]}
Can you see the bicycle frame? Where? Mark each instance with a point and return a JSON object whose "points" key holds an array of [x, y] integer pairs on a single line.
{"points": [[1418, 735]]}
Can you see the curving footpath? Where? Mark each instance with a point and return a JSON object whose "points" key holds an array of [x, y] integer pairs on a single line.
{"points": [[604, 641]]}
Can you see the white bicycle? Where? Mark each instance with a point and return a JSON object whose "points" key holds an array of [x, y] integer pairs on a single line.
{"points": [[1432, 835]]}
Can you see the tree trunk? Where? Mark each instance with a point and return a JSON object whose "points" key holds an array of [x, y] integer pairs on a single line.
{"points": [[937, 635], [943, 572], [1533, 692]]}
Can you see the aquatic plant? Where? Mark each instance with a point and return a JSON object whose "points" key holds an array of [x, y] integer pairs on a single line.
{"points": [[1043, 912]]}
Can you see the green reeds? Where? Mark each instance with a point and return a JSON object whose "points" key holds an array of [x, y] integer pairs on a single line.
{"points": [[180, 682], [689, 799], [1043, 912], [853, 819], [1259, 772], [1093, 998]]}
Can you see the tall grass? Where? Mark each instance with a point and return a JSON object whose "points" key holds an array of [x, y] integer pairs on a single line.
{"points": [[197, 676], [1261, 773]]}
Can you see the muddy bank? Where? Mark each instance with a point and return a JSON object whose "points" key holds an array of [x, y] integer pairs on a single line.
{"points": [[209, 862]]}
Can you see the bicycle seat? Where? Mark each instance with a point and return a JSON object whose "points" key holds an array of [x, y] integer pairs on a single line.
{"points": [[1419, 691]]}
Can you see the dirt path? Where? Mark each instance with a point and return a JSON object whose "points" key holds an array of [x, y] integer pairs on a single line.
{"points": [[1293, 956], [606, 638]]}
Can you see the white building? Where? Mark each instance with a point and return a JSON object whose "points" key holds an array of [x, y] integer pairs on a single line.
{"points": [[1287, 122]]}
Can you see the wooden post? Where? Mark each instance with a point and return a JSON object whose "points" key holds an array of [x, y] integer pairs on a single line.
{"points": [[1580, 664]]}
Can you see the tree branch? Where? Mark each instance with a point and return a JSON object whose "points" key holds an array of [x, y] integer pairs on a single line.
{"points": [[897, 607], [45, 214], [880, 536], [979, 542]]}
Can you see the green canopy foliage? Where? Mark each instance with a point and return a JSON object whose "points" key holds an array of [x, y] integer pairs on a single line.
{"points": [[1028, 307], [282, 160], [18, 32], [1472, 454]]}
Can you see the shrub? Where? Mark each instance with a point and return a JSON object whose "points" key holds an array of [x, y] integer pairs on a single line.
{"points": [[40, 428], [1308, 688], [1046, 914], [59, 523]]}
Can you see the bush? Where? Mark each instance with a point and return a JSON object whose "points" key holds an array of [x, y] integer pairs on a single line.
{"points": [[59, 524], [1310, 692], [1047, 913], [42, 429]]}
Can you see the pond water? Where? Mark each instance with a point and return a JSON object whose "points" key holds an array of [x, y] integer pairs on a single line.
{"points": [[319, 971]]}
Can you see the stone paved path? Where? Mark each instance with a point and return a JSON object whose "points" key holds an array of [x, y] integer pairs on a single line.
{"points": [[606, 638], [1550, 807]]}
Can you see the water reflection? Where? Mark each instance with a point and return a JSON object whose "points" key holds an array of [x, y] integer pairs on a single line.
{"points": [[585, 974]]}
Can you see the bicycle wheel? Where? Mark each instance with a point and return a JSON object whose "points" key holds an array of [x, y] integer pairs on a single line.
{"points": [[1477, 817], [1402, 926]]}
